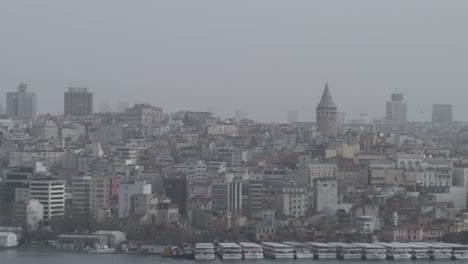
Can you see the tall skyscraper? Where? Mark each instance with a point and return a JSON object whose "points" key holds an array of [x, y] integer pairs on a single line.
{"points": [[326, 115], [78, 102], [293, 116], [442, 114], [21, 104], [396, 109]]}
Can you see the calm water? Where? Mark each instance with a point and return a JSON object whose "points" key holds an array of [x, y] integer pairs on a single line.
{"points": [[30, 257]]}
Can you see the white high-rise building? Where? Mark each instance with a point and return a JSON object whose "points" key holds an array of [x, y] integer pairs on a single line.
{"points": [[21, 104], [50, 193]]}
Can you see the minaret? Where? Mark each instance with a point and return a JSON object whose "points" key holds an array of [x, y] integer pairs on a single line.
{"points": [[326, 115]]}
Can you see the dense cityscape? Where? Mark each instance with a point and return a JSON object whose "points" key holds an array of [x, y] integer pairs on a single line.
{"points": [[140, 179]]}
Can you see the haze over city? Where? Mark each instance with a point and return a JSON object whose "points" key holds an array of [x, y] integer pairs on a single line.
{"points": [[262, 57]]}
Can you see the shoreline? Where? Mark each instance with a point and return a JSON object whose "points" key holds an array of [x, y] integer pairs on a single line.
{"points": [[55, 250]]}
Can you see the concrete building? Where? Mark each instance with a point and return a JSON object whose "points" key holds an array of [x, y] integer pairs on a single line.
{"points": [[292, 201], [78, 102], [366, 224], [226, 195], [28, 215], [27, 157], [197, 172], [81, 194], [16, 181], [402, 233], [396, 108], [326, 115], [143, 208], [225, 129], [107, 133], [21, 104], [8, 239], [317, 170], [46, 130], [442, 114], [50, 193], [126, 191], [325, 190], [103, 194], [167, 213], [255, 196], [143, 114]]}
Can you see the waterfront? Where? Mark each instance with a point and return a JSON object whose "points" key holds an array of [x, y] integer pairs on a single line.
{"points": [[36, 257]]}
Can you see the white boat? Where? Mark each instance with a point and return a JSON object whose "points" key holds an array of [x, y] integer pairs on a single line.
{"points": [[277, 250], [458, 251], [204, 251], [417, 251], [323, 250], [251, 250], [98, 249], [347, 251], [372, 251], [230, 251], [437, 251], [396, 250], [301, 250]]}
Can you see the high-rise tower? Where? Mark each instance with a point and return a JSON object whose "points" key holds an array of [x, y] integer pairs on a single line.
{"points": [[21, 104], [396, 109], [326, 115], [78, 102]]}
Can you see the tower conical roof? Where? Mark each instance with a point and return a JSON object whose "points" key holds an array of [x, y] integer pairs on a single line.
{"points": [[326, 96]]}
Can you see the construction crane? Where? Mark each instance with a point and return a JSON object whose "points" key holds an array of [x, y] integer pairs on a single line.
{"points": [[363, 115]]}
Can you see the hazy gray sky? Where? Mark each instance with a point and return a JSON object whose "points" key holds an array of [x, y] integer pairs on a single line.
{"points": [[263, 57]]}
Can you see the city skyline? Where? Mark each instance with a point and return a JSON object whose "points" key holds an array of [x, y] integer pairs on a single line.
{"points": [[350, 116], [177, 57]]}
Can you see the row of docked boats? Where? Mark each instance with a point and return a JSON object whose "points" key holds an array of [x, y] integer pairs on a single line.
{"points": [[318, 250]]}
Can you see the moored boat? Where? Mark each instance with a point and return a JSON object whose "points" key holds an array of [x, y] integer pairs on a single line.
{"points": [[301, 250], [101, 249], [277, 251], [251, 250], [204, 251], [323, 250]]}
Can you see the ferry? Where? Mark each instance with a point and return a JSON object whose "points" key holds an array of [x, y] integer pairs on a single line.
{"points": [[98, 249], [251, 250], [458, 251], [204, 251], [229, 251], [372, 251], [347, 251], [396, 250], [323, 250], [301, 250], [417, 251], [277, 250], [437, 251]]}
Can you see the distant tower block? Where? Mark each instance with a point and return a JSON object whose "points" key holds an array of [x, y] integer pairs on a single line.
{"points": [[326, 115]]}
